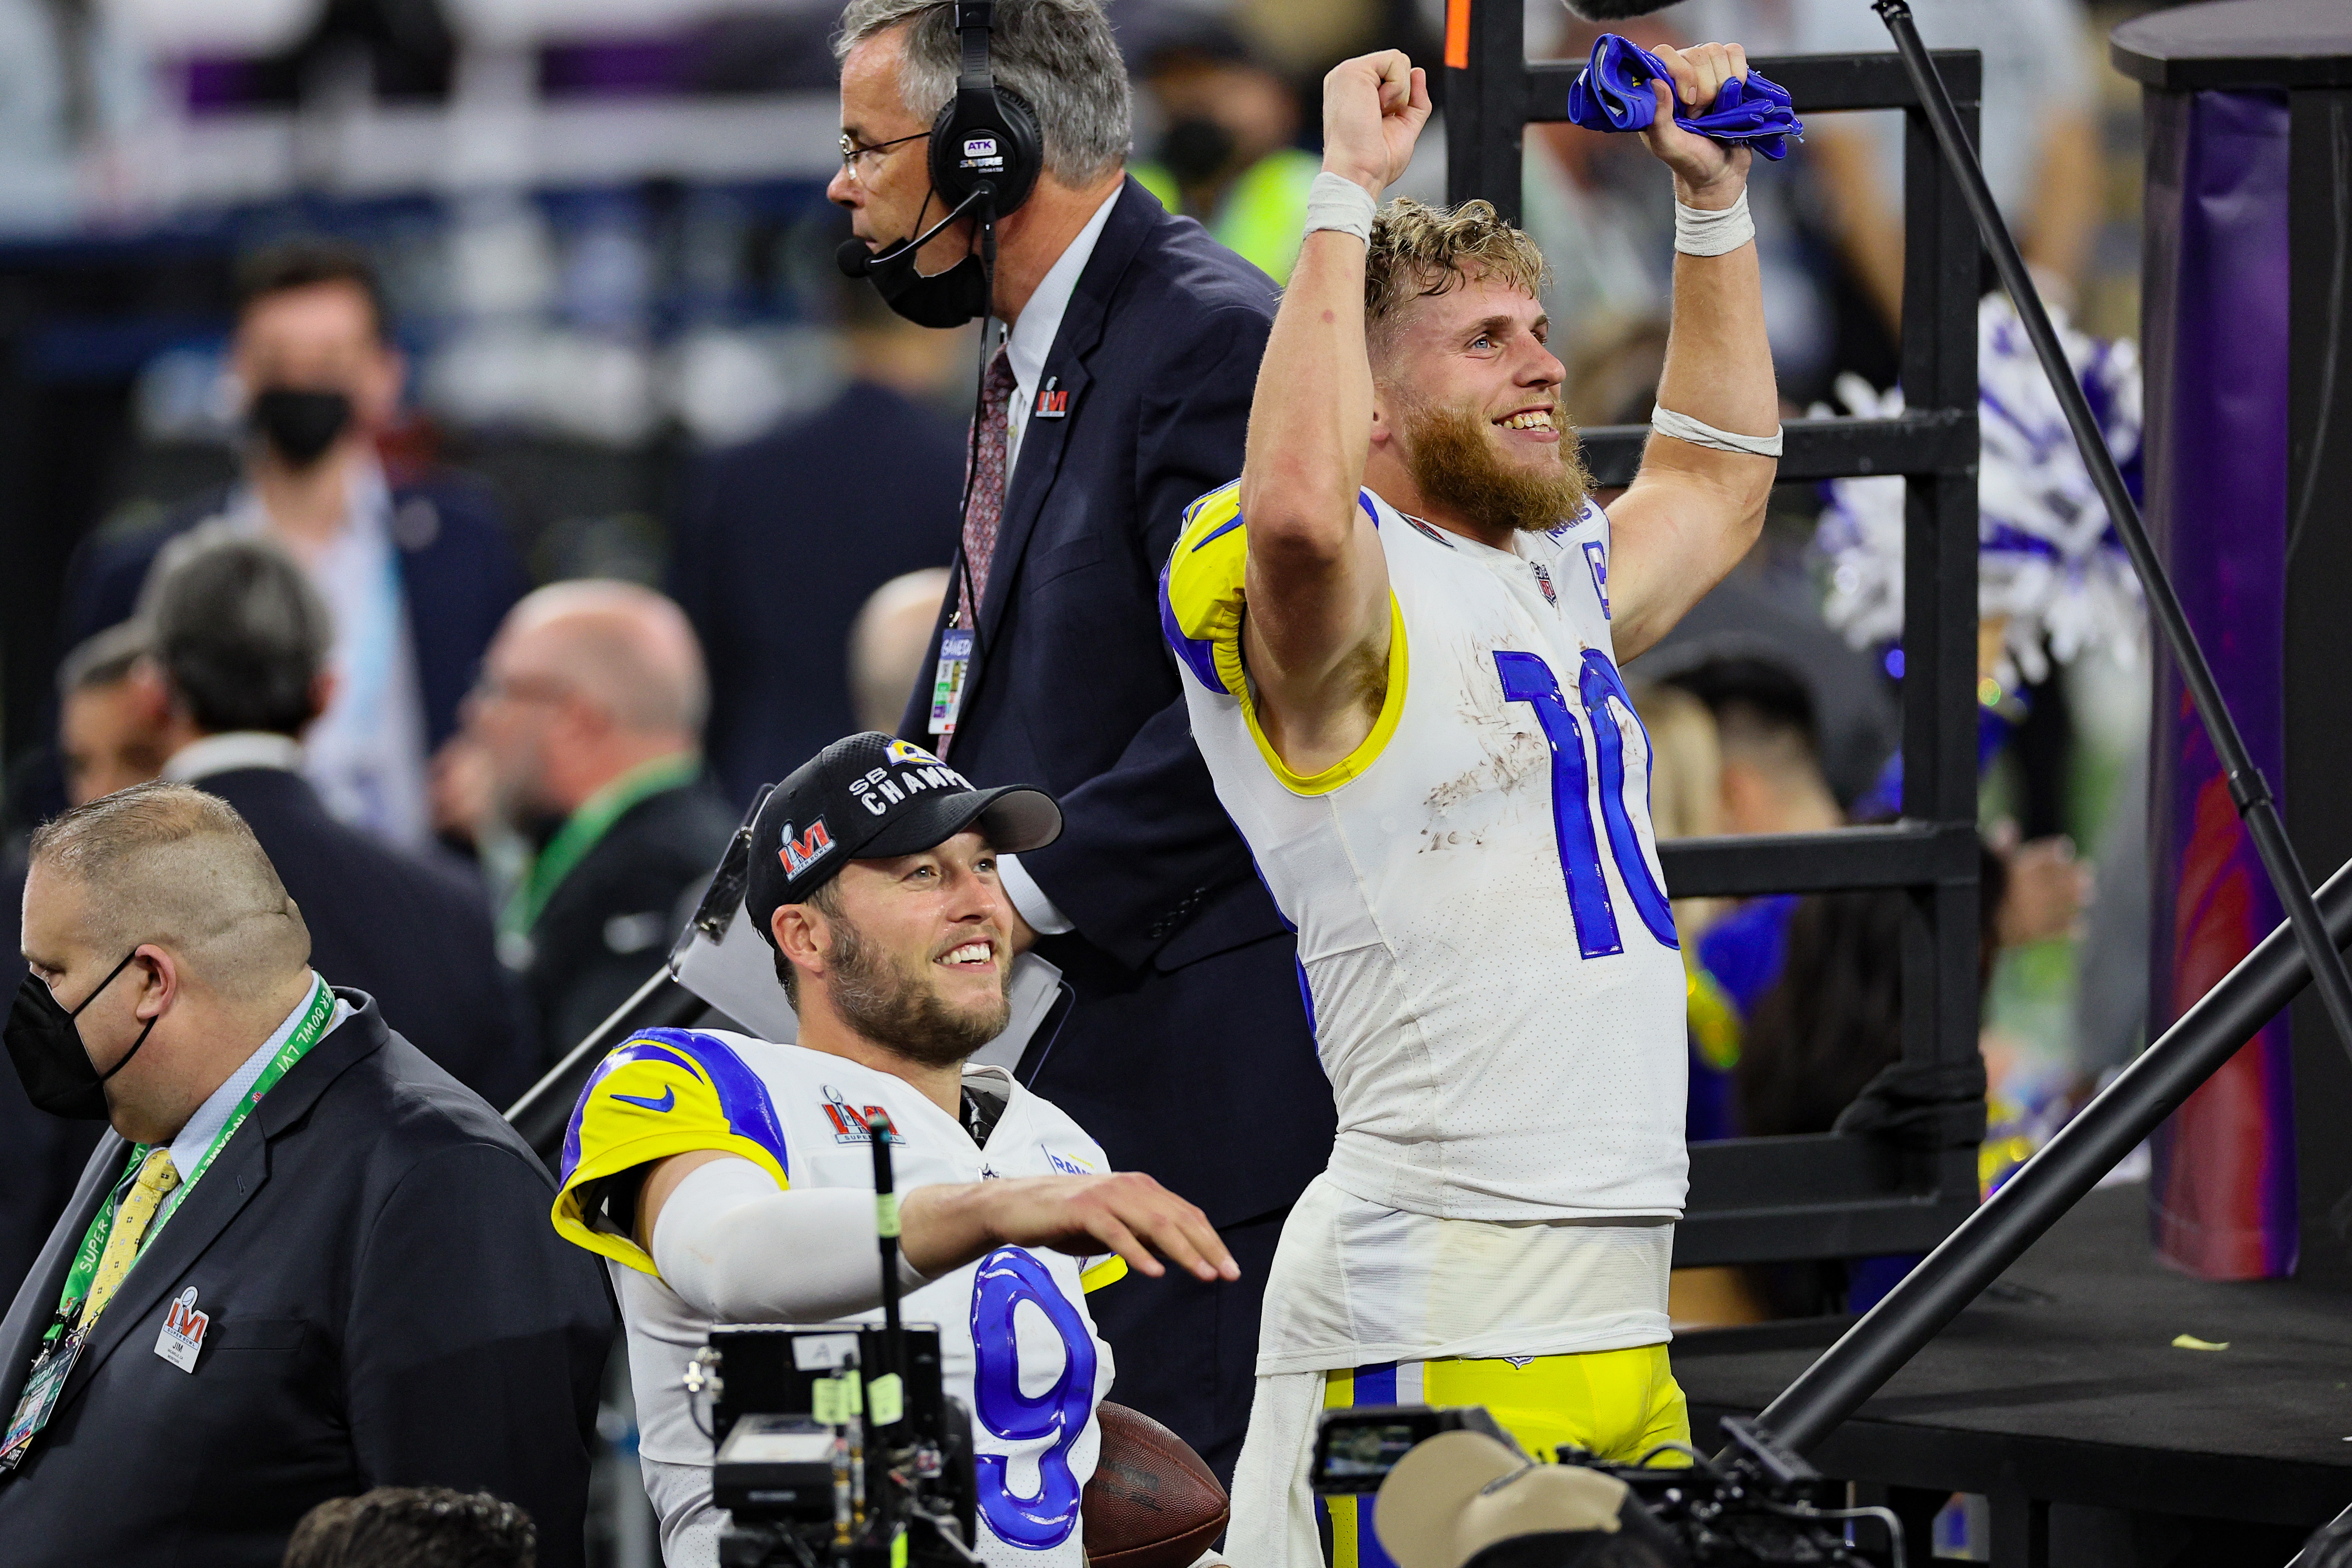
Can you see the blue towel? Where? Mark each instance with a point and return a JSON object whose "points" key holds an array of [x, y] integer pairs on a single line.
{"points": [[1613, 94]]}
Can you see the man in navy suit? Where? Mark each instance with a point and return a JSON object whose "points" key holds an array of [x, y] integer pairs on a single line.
{"points": [[1122, 395], [321, 1264], [417, 574]]}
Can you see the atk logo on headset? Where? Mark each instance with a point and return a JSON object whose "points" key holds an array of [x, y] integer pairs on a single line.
{"points": [[982, 155]]}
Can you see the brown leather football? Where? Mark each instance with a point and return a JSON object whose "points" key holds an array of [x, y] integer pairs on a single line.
{"points": [[1152, 1503]]}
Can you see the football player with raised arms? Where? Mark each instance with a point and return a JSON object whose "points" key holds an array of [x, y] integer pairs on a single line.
{"points": [[731, 1180], [1402, 630]]}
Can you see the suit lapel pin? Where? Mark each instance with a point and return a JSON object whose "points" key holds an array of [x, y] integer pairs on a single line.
{"points": [[1053, 399]]}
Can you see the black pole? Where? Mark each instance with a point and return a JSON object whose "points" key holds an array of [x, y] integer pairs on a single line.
{"points": [[545, 1107], [2053, 1181], [886, 1229], [2247, 788]]}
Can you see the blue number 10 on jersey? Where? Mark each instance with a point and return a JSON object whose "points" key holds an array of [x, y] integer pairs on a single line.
{"points": [[1527, 678]]}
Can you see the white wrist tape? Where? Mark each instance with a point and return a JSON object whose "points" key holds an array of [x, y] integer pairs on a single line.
{"points": [[1701, 233], [737, 1249], [1335, 201], [1683, 427]]}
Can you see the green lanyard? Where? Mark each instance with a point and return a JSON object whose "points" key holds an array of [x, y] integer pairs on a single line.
{"points": [[308, 1033], [585, 829]]}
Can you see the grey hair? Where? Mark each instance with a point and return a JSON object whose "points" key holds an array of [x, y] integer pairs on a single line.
{"points": [[240, 631], [1057, 54]]}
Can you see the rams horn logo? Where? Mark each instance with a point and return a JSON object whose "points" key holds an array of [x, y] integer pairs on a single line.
{"points": [[906, 752]]}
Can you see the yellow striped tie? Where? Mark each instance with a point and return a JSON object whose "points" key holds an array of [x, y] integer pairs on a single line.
{"points": [[157, 1176]]}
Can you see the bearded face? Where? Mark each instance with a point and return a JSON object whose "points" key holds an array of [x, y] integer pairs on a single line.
{"points": [[898, 1001], [1482, 465]]}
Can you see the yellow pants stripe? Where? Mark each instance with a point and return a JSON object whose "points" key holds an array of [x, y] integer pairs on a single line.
{"points": [[1619, 1405]]}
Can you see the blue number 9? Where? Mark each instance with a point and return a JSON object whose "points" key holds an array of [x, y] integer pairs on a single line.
{"points": [[1007, 1277]]}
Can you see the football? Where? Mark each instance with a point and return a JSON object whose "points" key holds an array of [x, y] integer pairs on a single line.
{"points": [[1152, 1503]]}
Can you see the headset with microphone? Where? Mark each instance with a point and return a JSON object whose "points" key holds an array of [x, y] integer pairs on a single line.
{"points": [[986, 152]]}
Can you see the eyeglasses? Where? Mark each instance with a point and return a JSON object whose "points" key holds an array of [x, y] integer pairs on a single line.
{"points": [[859, 158], [523, 689]]}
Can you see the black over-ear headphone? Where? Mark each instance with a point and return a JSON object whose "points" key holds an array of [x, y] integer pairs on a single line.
{"points": [[985, 133]]}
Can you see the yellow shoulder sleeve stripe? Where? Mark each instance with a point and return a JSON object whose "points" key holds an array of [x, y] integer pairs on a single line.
{"points": [[663, 1092], [1109, 1271], [1202, 600]]}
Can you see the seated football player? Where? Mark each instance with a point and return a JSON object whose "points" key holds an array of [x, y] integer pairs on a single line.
{"points": [[731, 1180], [1401, 670]]}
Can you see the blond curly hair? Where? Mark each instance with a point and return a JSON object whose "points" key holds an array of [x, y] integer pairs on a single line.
{"points": [[1418, 251]]}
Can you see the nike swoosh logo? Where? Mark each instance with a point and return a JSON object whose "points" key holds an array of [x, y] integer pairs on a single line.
{"points": [[669, 1099]]}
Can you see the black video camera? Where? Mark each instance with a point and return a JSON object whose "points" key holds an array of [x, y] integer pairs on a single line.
{"points": [[813, 1472], [1757, 1505], [837, 1445]]}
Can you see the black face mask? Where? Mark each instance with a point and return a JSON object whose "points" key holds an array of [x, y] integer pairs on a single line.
{"points": [[1196, 150], [46, 1045], [298, 424], [947, 298]]}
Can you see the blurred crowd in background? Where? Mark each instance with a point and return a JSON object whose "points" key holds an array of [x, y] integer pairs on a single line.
{"points": [[422, 422]]}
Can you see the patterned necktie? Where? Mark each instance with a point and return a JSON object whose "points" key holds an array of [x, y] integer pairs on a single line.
{"points": [[987, 485], [157, 1177]]}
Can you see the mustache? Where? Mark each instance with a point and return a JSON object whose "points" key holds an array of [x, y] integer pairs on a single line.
{"points": [[1453, 457]]}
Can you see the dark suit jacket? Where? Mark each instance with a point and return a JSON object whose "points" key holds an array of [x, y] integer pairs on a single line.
{"points": [[390, 1307], [1074, 689], [460, 576], [779, 547], [609, 924], [415, 933]]}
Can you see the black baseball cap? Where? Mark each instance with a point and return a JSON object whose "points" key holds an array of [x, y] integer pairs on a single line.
{"points": [[870, 797]]}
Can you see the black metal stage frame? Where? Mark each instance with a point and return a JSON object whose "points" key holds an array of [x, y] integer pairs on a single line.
{"points": [[1832, 1194]]}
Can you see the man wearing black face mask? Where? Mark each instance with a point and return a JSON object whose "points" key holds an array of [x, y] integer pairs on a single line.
{"points": [[304, 1262], [1228, 156], [1121, 393], [416, 570]]}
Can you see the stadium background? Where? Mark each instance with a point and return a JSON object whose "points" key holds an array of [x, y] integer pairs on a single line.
{"points": [[603, 232]]}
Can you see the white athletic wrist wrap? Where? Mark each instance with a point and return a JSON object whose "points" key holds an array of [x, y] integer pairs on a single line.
{"points": [[1335, 201], [1683, 427], [1700, 233]]}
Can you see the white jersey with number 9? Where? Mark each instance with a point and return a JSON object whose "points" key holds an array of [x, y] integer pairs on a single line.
{"points": [[1016, 1343]]}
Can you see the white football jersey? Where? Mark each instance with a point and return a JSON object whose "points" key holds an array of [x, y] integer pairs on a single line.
{"points": [[1031, 1377], [1489, 954]]}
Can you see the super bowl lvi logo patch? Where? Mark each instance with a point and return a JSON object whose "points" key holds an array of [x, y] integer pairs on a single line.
{"points": [[184, 1332]]}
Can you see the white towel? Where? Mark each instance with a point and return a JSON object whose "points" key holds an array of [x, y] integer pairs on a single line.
{"points": [[1273, 1509]]}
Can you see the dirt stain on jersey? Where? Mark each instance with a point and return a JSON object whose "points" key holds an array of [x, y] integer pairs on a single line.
{"points": [[1512, 749]]}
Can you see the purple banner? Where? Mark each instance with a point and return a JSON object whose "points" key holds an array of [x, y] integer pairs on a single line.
{"points": [[2223, 1195]]}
